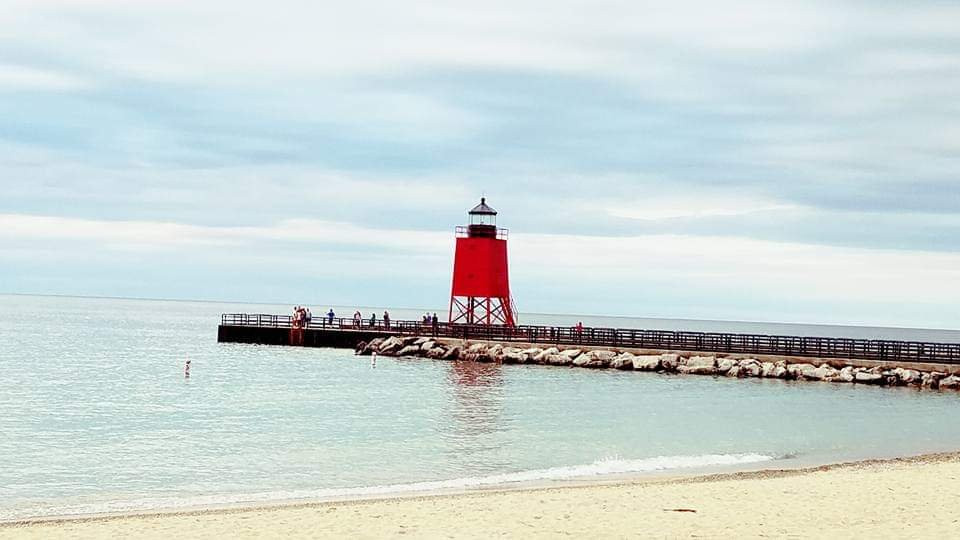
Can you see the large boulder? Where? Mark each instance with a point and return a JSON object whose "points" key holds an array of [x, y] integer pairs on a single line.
{"points": [[437, 352], [734, 371], [949, 383], [669, 362], [602, 358], [409, 350], [699, 365], [453, 353], [512, 355], [823, 373], [932, 379], [750, 368], [373, 346], [513, 358], [865, 377], [427, 345], [725, 364], [646, 362], [907, 376], [581, 359], [530, 354], [847, 374], [541, 357], [622, 361], [419, 340], [477, 348], [773, 370], [594, 359], [360, 347], [391, 345], [801, 371], [557, 359]]}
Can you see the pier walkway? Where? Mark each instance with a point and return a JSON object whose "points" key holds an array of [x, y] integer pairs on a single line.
{"points": [[341, 332]]}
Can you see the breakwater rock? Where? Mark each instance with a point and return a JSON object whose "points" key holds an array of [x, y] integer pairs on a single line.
{"points": [[716, 365]]}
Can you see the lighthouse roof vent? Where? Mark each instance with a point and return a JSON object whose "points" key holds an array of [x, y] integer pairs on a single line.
{"points": [[483, 209]]}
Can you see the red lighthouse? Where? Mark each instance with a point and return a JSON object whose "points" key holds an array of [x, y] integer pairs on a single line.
{"points": [[481, 283]]}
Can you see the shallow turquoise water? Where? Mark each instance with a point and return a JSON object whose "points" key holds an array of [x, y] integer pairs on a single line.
{"points": [[97, 416]]}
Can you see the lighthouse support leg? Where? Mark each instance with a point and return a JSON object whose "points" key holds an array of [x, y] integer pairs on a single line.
{"points": [[481, 310]]}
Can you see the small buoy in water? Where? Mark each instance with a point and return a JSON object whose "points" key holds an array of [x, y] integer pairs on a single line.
{"points": [[373, 360], [186, 369]]}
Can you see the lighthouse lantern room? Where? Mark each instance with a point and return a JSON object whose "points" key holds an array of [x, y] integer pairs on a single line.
{"points": [[481, 284]]}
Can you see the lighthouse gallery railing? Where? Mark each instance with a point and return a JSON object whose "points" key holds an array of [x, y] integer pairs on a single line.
{"points": [[820, 347]]}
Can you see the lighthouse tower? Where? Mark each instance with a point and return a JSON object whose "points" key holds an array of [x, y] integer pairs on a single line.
{"points": [[481, 284]]}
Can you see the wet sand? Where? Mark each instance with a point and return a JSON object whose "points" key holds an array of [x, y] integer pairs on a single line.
{"points": [[917, 497]]}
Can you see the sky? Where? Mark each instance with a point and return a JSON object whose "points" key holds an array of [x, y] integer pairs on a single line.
{"points": [[763, 161]]}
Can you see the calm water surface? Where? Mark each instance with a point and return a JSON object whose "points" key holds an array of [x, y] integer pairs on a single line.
{"points": [[96, 415]]}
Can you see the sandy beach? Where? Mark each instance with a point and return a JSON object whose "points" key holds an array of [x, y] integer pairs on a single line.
{"points": [[907, 497]]}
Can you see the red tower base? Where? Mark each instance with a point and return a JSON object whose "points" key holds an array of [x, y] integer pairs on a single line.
{"points": [[481, 310], [481, 282]]}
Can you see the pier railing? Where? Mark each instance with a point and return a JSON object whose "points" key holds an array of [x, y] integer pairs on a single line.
{"points": [[819, 347]]}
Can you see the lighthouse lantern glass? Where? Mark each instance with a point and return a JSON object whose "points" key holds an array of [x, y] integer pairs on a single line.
{"points": [[483, 219]]}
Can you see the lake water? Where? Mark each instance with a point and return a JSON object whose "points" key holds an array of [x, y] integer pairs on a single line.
{"points": [[96, 415]]}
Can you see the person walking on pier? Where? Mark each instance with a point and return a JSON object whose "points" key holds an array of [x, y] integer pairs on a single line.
{"points": [[357, 317], [436, 324], [307, 317], [386, 320], [373, 320], [331, 315]]}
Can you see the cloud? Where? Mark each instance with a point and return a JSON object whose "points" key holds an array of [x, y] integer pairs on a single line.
{"points": [[695, 206], [23, 78], [150, 236]]}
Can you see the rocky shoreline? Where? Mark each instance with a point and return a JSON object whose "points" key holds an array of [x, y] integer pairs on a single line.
{"points": [[716, 365]]}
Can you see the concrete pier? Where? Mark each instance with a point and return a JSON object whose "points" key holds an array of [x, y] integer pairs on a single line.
{"points": [[427, 341], [311, 337], [346, 333]]}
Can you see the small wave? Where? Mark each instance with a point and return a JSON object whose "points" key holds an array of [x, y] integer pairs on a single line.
{"points": [[599, 468]]}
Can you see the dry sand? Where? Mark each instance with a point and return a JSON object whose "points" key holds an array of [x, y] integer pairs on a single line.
{"points": [[907, 498]]}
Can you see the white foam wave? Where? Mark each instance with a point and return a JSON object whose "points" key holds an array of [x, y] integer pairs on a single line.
{"points": [[600, 468]]}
